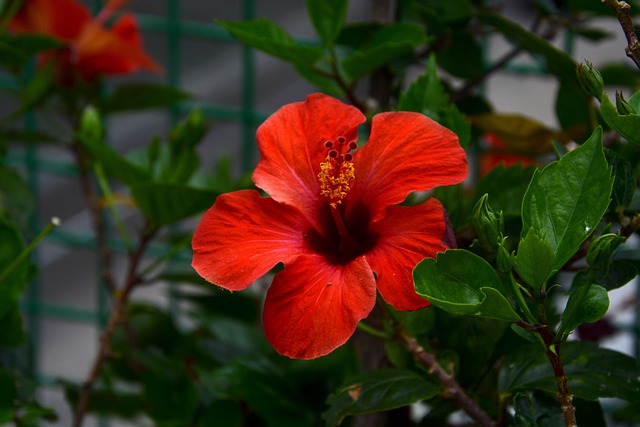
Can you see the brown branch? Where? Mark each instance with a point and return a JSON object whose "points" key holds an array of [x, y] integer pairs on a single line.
{"points": [[565, 397], [623, 14], [115, 318], [452, 390], [95, 210]]}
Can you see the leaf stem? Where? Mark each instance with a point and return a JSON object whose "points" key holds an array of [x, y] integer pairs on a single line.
{"points": [[365, 327], [53, 223]]}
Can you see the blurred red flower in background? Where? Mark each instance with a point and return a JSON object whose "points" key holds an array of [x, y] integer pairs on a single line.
{"points": [[497, 152], [332, 219], [90, 48]]}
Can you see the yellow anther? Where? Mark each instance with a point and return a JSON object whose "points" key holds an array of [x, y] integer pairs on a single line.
{"points": [[335, 176]]}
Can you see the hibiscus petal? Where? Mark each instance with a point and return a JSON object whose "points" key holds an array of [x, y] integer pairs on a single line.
{"points": [[61, 18], [242, 236], [407, 235], [112, 51], [291, 144], [406, 152], [314, 307]]}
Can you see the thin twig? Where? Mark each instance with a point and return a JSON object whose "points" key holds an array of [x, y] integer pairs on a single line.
{"points": [[452, 390], [623, 14], [115, 318]]}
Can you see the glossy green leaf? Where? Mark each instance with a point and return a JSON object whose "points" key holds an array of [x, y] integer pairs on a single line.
{"points": [[376, 391], [268, 37], [114, 164], [141, 96], [534, 260], [165, 203], [620, 74], [627, 126], [566, 200], [588, 310], [592, 372], [625, 180], [12, 286], [601, 249], [327, 17], [617, 274], [461, 282], [390, 42], [558, 62]]}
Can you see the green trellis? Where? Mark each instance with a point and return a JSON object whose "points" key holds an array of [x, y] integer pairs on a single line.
{"points": [[33, 164]]}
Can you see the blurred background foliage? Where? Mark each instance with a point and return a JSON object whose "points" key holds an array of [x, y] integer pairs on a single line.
{"points": [[200, 359]]}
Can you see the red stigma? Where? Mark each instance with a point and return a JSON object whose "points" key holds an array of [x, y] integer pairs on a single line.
{"points": [[328, 144], [353, 145], [341, 140]]}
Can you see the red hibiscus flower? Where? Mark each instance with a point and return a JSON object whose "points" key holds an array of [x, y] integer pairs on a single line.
{"points": [[332, 219], [91, 49]]}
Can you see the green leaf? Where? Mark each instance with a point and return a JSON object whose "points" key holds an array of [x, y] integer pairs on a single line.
{"points": [[106, 402], [572, 106], [627, 126], [537, 409], [225, 413], [11, 331], [7, 395], [558, 62], [114, 164], [601, 249], [534, 260], [165, 203], [426, 94], [327, 17], [16, 199], [141, 96], [587, 310], [592, 372], [506, 187], [625, 180], [377, 391], [464, 55], [268, 37], [566, 200], [390, 42], [16, 50], [12, 285], [264, 387], [461, 282], [617, 274]]}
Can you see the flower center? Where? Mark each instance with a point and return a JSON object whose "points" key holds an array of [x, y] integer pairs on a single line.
{"points": [[337, 170]]}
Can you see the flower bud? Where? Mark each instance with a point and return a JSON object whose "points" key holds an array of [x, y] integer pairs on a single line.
{"points": [[590, 79], [623, 106], [90, 125], [488, 224]]}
